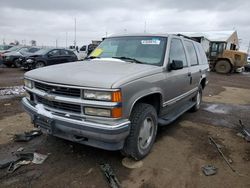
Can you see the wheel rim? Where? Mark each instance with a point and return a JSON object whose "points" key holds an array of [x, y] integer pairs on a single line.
{"points": [[39, 65], [146, 133]]}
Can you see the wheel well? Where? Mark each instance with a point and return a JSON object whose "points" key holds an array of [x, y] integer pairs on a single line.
{"points": [[152, 99], [203, 83]]}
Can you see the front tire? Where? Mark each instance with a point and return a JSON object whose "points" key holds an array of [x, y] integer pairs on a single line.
{"points": [[223, 67], [17, 63], [143, 131]]}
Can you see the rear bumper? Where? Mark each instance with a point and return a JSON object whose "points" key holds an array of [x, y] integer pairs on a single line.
{"points": [[109, 137]]}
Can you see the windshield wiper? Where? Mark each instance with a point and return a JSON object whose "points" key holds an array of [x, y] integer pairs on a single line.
{"points": [[128, 59]]}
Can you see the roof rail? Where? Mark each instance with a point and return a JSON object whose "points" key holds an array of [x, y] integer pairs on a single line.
{"points": [[187, 37]]}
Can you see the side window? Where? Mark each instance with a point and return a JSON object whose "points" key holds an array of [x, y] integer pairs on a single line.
{"points": [[177, 52], [64, 52], [202, 54], [83, 48], [54, 53], [191, 53]]}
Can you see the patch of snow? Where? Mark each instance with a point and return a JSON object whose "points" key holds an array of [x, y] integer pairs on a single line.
{"points": [[15, 90], [215, 108]]}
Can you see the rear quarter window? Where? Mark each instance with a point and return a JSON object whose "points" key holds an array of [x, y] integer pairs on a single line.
{"points": [[191, 53], [202, 54]]}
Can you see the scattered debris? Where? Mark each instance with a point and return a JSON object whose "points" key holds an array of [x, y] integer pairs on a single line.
{"points": [[20, 149], [15, 90], [27, 136], [21, 158], [15, 165], [240, 135], [221, 153], [6, 162], [244, 131], [110, 176], [209, 170], [7, 104], [131, 163], [88, 172], [39, 158]]}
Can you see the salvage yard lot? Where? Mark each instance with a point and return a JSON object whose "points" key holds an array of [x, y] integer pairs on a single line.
{"points": [[181, 149]]}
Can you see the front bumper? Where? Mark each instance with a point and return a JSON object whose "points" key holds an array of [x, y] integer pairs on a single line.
{"points": [[109, 137]]}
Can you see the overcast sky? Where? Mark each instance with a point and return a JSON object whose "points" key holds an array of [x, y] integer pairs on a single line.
{"points": [[49, 20]]}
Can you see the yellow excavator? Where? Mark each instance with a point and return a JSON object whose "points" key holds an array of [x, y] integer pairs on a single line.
{"points": [[225, 61]]}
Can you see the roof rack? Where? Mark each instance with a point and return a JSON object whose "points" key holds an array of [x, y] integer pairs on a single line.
{"points": [[187, 37]]}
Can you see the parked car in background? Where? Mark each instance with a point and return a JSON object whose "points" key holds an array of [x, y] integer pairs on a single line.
{"points": [[247, 66], [11, 58], [3, 49], [119, 96], [46, 57], [85, 50]]}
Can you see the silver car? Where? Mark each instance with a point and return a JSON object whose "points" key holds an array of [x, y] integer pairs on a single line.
{"points": [[116, 99]]}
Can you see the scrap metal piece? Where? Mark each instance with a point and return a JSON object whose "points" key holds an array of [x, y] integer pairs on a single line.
{"points": [[15, 165], [221, 153], [244, 131], [110, 176], [27, 136], [39, 158], [209, 170]]}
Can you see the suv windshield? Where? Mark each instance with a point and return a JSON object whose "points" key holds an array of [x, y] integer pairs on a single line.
{"points": [[146, 50]]}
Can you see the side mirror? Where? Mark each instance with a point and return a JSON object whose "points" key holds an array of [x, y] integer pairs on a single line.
{"points": [[176, 64]]}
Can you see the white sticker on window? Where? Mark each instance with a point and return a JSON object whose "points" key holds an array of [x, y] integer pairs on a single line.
{"points": [[152, 41]]}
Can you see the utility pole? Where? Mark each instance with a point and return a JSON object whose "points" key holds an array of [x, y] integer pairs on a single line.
{"points": [[75, 34], [248, 49], [56, 43], [145, 26]]}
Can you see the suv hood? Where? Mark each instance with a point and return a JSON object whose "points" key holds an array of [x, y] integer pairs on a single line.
{"points": [[100, 73]]}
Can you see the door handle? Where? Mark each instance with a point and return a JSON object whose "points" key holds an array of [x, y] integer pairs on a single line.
{"points": [[189, 73]]}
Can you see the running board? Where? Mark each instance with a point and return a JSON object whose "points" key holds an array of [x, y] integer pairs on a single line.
{"points": [[169, 118]]}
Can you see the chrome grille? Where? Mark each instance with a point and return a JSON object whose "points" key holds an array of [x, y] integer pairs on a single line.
{"points": [[59, 105], [58, 90]]}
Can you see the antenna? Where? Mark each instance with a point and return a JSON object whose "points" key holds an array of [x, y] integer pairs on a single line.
{"points": [[145, 26], [75, 34]]}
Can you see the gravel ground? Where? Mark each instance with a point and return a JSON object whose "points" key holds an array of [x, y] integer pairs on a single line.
{"points": [[181, 148]]}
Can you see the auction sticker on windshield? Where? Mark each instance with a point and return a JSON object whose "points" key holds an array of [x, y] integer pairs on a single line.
{"points": [[152, 41]]}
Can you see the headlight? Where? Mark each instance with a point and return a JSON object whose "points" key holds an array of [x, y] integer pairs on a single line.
{"points": [[112, 113], [28, 83], [29, 60], [114, 96]]}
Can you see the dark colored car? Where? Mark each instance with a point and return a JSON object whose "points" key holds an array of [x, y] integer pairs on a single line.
{"points": [[12, 58], [4, 49], [45, 57]]}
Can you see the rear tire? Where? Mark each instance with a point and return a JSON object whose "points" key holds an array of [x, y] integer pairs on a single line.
{"points": [[223, 67], [143, 131]]}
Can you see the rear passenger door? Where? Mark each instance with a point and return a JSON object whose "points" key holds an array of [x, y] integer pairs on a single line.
{"points": [[194, 69]]}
